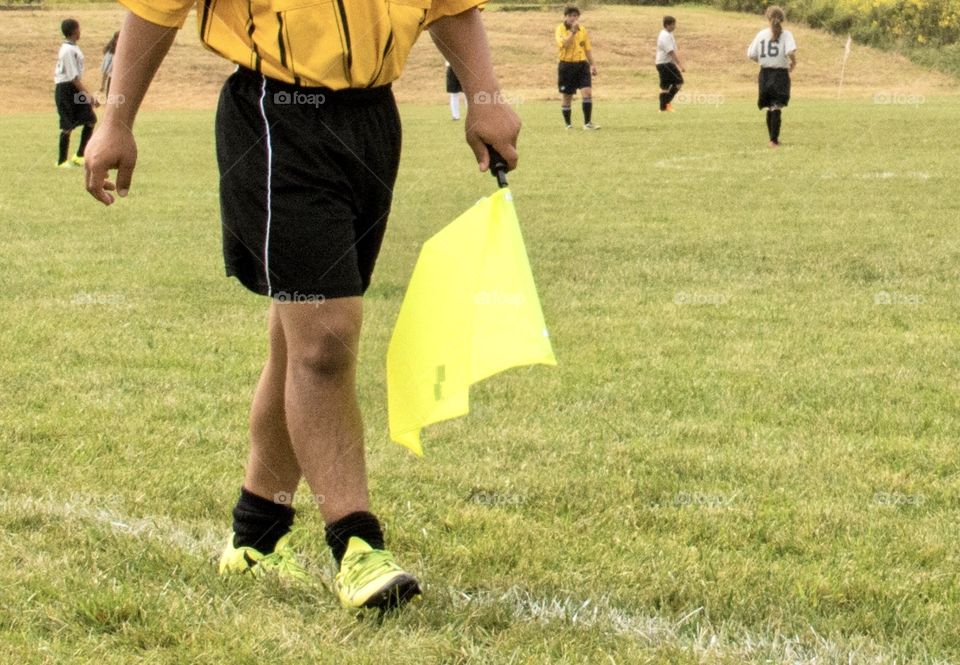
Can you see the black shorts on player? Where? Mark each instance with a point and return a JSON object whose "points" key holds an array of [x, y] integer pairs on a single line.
{"points": [[453, 83], [572, 76], [774, 88], [306, 180], [669, 75], [74, 107]]}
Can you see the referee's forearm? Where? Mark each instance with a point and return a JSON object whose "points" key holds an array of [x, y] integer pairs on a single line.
{"points": [[141, 49], [463, 42]]}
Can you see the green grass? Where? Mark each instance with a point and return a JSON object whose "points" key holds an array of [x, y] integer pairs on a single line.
{"points": [[742, 456]]}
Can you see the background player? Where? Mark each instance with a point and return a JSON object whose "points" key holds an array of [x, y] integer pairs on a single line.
{"points": [[74, 102], [576, 66], [106, 68], [454, 89], [776, 52], [668, 64]]}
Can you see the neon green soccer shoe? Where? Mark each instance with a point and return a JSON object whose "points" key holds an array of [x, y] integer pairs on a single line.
{"points": [[370, 578], [282, 562]]}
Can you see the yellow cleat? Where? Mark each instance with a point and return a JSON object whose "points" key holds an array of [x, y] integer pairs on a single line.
{"points": [[370, 578], [246, 560]]}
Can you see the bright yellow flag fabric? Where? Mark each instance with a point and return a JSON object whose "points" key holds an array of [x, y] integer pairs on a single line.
{"points": [[471, 310]]}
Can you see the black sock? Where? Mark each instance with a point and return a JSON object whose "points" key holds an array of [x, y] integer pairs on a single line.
{"points": [[361, 524], [672, 92], [259, 523], [64, 146], [84, 137], [587, 110], [770, 124], [566, 114], [664, 100], [775, 126]]}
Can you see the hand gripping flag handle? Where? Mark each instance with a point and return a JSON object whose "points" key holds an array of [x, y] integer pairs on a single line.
{"points": [[498, 166]]}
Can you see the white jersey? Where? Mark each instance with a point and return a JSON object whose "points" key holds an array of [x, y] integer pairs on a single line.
{"points": [[666, 43], [769, 53], [69, 63], [107, 65]]}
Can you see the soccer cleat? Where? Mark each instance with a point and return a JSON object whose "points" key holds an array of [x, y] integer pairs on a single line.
{"points": [[591, 126], [569, 126], [77, 159], [66, 165], [774, 144], [282, 562], [370, 578], [669, 108]]}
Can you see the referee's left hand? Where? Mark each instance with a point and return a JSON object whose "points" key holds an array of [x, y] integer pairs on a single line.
{"points": [[491, 121]]}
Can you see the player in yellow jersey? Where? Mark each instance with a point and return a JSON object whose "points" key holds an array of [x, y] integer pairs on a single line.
{"points": [[576, 66], [308, 144]]}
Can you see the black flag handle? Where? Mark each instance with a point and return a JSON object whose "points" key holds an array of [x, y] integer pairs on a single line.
{"points": [[498, 166]]}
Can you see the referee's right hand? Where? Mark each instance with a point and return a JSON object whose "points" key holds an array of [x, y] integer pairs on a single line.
{"points": [[112, 146]]}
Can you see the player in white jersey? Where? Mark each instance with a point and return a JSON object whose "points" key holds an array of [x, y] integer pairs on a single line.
{"points": [[74, 102], [775, 50], [668, 64]]}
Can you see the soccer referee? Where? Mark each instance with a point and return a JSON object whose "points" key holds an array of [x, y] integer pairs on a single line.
{"points": [[308, 145], [576, 66]]}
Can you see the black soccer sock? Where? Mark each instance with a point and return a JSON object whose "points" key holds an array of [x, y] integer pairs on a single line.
{"points": [[361, 524], [664, 100], [64, 146], [775, 126], [587, 110], [674, 89], [84, 137], [566, 114], [259, 523], [770, 124]]}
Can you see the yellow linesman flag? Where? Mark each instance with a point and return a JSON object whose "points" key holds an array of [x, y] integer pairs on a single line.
{"points": [[471, 310]]}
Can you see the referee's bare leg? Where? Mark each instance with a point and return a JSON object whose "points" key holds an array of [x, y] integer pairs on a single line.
{"points": [[314, 396], [272, 470]]}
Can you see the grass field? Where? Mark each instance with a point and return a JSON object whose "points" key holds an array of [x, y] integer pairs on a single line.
{"points": [[747, 454]]}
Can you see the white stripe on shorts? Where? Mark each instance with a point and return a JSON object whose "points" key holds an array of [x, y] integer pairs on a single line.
{"points": [[266, 241]]}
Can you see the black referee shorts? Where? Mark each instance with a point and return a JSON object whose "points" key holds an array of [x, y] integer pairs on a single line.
{"points": [[73, 107], [669, 75], [571, 76], [774, 87], [306, 181]]}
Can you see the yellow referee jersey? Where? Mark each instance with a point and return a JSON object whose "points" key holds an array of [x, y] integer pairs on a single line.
{"points": [[576, 52], [331, 43]]}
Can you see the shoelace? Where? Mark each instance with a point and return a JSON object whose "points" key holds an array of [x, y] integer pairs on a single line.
{"points": [[367, 566], [283, 560]]}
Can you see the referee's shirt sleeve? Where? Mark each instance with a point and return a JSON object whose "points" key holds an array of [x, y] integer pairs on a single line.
{"points": [[168, 13], [440, 8]]}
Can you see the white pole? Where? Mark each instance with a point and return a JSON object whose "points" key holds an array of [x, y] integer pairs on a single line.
{"points": [[843, 67]]}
